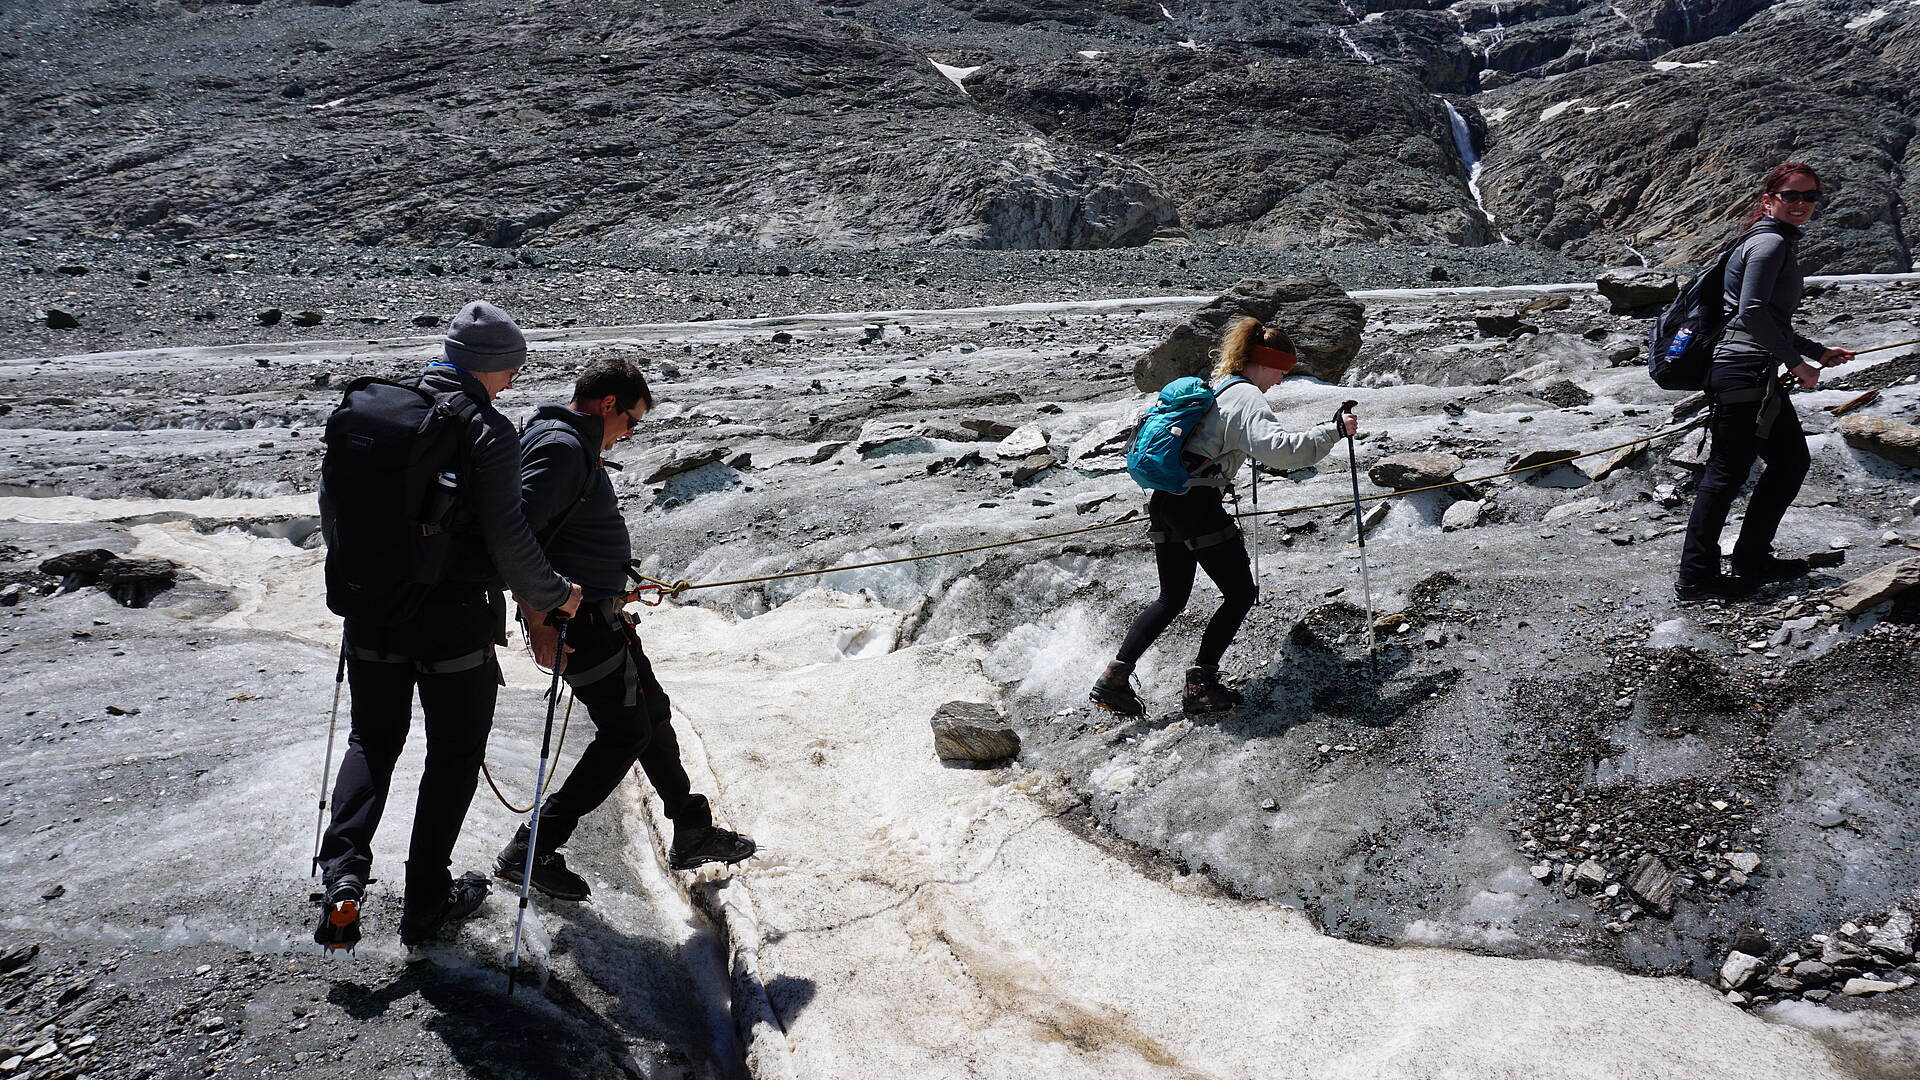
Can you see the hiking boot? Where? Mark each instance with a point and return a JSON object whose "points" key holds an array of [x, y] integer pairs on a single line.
{"points": [[1766, 569], [700, 845], [464, 897], [550, 872], [1114, 691], [340, 913], [1207, 694], [1718, 587]]}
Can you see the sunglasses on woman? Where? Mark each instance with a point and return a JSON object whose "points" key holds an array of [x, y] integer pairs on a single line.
{"points": [[1808, 197]]}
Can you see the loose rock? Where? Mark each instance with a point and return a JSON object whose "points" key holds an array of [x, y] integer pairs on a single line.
{"points": [[972, 731], [1890, 439]]}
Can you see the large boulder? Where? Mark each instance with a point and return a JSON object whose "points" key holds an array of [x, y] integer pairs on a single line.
{"points": [[1638, 292], [1404, 472], [1323, 320], [1890, 439]]}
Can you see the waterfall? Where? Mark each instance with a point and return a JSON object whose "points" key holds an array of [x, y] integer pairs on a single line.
{"points": [[1463, 142], [1347, 39]]}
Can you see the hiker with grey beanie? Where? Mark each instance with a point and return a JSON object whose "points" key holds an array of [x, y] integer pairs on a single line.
{"points": [[443, 646]]}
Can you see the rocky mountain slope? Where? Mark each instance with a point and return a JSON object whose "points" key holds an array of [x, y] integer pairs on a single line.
{"points": [[1613, 133]]}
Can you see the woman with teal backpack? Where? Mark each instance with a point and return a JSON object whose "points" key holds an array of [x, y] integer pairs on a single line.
{"points": [[1191, 529]]}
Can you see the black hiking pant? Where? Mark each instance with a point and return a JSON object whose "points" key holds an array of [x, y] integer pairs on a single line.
{"points": [[1737, 442], [446, 653], [1194, 531], [632, 721]]}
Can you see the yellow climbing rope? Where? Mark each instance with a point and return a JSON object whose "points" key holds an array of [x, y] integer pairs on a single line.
{"points": [[488, 773], [676, 588]]}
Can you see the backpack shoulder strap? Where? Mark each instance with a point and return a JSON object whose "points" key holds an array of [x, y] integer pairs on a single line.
{"points": [[555, 431]]}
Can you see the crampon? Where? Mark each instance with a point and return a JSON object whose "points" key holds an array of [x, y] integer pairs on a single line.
{"points": [[339, 926]]}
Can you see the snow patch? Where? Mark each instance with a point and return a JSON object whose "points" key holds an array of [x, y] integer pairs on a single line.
{"points": [[1554, 110], [955, 75], [1864, 21], [1091, 53], [1675, 65], [1164, 11], [1495, 115], [1187, 43]]}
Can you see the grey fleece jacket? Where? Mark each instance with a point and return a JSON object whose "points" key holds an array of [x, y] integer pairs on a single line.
{"points": [[1763, 287], [498, 547], [1241, 423]]}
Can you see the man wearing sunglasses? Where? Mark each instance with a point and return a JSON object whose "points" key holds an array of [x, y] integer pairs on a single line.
{"points": [[1752, 417], [570, 503]]}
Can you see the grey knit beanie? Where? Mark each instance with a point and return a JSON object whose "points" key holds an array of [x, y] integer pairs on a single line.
{"points": [[484, 338]]}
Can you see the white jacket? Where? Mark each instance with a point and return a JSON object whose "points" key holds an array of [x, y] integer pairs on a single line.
{"points": [[1242, 423]]}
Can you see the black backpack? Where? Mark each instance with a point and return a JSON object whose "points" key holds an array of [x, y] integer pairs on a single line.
{"points": [[1680, 345], [389, 487]]}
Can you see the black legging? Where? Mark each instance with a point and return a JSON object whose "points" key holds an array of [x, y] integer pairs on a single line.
{"points": [[1196, 516], [1736, 443]]}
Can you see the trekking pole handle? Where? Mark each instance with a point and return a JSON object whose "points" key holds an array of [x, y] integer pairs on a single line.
{"points": [[1345, 408]]}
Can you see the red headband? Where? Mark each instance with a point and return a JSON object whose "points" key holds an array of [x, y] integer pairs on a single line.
{"points": [[1268, 356]]}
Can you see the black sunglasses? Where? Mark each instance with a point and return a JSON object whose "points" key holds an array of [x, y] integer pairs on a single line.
{"points": [[1808, 197]]}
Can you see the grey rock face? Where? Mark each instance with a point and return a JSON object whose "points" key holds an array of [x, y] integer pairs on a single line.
{"points": [[717, 123], [1324, 322], [1267, 147], [971, 731], [1890, 439], [1403, 472], [1664, 157]]}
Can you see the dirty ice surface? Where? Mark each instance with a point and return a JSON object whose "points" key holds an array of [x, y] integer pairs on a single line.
{"points": [[906, 918]]}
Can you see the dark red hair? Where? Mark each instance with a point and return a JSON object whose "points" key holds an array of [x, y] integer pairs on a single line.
{"points": [[1772, 184]]}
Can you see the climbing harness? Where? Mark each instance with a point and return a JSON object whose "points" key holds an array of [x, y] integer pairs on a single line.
{"points": [[559, 623]]}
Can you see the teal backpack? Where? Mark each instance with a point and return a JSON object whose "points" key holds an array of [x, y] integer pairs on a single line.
{"points": [[1153, 458]]}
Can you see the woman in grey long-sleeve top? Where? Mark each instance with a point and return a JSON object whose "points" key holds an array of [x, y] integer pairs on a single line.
{"points": [[1752, 415], [1192, 531]]}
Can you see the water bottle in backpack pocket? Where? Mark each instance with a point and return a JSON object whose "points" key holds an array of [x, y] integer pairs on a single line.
{"points": [[1680, 344]]}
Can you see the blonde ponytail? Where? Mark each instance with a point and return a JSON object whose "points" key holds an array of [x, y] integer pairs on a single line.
{"points": [[1238, 340], [1232, 354]]}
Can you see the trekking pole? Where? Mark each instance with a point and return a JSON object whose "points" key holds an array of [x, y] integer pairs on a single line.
{"points": [[1256, 523], [326, 763], [559, 623], [1359, 531]]}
